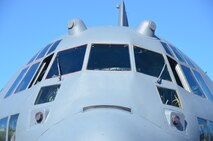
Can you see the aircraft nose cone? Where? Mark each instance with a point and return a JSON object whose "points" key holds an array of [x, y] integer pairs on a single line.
{"points": [[109, 126], [97, 125]]}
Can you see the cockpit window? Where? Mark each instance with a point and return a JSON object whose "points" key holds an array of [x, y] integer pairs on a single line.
{"points": [[3, 129], [68, 61], [174, 67], [169, 97], [178, 54], [150, 63], [18, 79], [189, 62], [167, 49], [41, 71], [26, 80], [54, 46], [108, 57], [47, 94], [193, 84], [204, 130], [211, 130], [43, 52], [203, 85], [12, 127], [33, 58]]}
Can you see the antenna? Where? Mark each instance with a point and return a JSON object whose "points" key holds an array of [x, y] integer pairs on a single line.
{"points": [[123, 20]]}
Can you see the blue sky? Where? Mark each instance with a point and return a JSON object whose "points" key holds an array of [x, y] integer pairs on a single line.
{"points": [[26, 26]]}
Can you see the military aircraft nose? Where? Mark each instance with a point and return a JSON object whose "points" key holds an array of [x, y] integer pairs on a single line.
{"points": [[97, 125]]}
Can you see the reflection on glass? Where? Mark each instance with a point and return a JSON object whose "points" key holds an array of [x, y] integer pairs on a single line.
{"points": [[18, 79], [188, 60], [3, 129], [26, 80], [150, 63], [70, 60], [43, 52], [108, 57], [167, 49], [12, 127], [47, 94], [195, 88], [54, 46], [203, 85], [204, 130], [32, 59], [178, 54], [211, 130]]}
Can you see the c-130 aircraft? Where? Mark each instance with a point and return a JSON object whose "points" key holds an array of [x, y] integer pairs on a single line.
{"points": [[111, 83]]}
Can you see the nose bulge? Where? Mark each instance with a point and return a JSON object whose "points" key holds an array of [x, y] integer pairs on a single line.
{"points": [[101, 125]]}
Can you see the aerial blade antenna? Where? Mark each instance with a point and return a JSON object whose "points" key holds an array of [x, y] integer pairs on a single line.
{"points": [[123, 20]]}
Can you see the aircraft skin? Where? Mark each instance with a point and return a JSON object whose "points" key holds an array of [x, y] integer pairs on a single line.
{"points": [[107, 105]]}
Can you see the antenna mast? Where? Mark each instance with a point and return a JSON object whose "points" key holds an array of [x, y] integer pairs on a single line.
{"points": [[123, 20]]}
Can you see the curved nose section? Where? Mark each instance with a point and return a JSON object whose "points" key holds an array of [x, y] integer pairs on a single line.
{"points": [[102, 125]]}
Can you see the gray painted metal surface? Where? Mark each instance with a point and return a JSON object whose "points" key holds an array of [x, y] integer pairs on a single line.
{"points": [[107, 105]]}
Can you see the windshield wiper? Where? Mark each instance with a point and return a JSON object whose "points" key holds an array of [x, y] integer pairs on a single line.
{"points": [[159, 81], [59, 68]]}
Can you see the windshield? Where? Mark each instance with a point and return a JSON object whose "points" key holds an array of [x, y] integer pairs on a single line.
{"points": [[107, 57]]}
